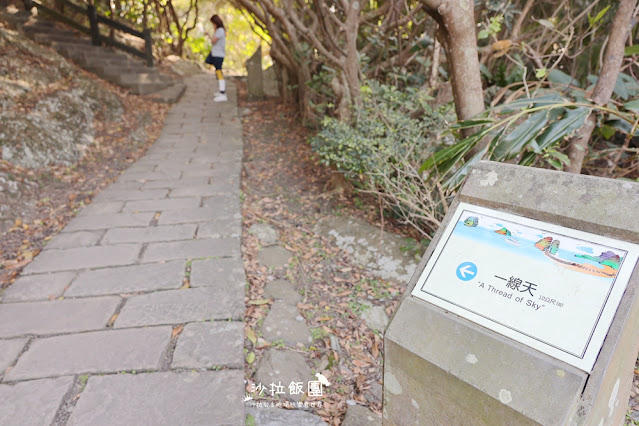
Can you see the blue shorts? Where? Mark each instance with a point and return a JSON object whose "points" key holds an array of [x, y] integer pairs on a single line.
{"points": [[216, 61]]}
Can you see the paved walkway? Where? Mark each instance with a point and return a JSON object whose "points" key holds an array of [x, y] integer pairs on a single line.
{"points": [[134, 313]]}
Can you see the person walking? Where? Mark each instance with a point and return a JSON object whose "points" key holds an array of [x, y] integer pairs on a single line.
{"points": [[216, 57]]}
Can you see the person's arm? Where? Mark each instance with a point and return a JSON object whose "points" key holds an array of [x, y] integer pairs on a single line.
{"points": [[213, 39]]}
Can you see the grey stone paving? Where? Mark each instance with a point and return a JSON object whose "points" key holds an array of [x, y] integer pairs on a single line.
{"points": [[356, 415], [38, 287], [32, 403], [274, 257], [180, 306], [150, 234], [375, 316], [9, 350], [278, 417], [203, 398], [57, 316], [225, 272], [264, 232], [210, 344], [103, 298], [84, 257], [96, 352], [129, 279], [282, 290], [284, 367], [285, 323]]}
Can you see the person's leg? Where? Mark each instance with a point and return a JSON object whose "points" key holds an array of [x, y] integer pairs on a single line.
{"points": [[217, 62]]}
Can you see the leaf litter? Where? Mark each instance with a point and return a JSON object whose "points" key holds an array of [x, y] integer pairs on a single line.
{"points": [[284, 185]]}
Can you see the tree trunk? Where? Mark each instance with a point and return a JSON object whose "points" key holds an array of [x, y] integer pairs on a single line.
{"points": [[606, 83], [457, 34]]}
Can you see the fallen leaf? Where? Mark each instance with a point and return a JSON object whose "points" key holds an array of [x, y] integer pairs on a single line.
{"points": [[176, 330], [375, 349], [258, 302], [112, 320], [250, 334], [250, 357], [360, 363]]}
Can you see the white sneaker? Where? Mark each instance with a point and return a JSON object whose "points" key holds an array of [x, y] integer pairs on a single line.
{"points": [[220, 98]]}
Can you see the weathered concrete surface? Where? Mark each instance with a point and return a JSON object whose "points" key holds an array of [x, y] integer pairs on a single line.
{"points": [[375, 316], [265, 233], [85, 257], [356, 415], [226, 272], [487, 377], [285, 323], [75, 239], [255, 86], [282, 290], [210, 344], [180, 306], [32, 403], [278, 417], [57, 316], [192, 249], [96, 352], [283, 367], [274, 257], [129, 279], [9, 350], [203, 398], [38, 287], [150, 234], [385, 255]]}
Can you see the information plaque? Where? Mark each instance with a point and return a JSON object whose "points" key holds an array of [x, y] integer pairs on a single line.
{"points": [[552, 288]]}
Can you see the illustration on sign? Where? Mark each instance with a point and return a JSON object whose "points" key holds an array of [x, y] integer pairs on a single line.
{"points": [[553, 288]]}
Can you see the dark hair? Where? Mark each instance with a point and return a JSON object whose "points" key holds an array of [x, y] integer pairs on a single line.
{"points": [[217, 21]]}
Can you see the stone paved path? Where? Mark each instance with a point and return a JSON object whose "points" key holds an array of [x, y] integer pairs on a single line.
{"points": [[102, 328]]}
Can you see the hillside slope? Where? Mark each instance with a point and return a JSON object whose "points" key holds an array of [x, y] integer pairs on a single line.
{"points": [[64, 134]]}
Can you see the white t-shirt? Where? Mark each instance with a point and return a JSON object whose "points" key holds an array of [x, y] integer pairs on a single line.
{"points": [[219, 47]]}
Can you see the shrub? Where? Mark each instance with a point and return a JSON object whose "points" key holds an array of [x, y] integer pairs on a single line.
{"points": [[393, 133]]}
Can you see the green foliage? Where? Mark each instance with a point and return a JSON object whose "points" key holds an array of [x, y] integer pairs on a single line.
{"points": [[527, 130], [384, 133], [493, 28], [393, 133]]}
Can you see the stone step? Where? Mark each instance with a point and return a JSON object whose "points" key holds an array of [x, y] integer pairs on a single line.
{"points": [[113, 70], [113, 66], [50, 39], [143, 78], [84, 57], [40, 27], [169, 95], [145, 88]]}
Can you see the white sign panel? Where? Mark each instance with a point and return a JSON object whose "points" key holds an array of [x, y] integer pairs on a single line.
{"points": [[552, 288]]}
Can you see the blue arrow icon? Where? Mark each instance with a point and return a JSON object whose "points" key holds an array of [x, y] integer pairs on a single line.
{"points": [[466, 271]]}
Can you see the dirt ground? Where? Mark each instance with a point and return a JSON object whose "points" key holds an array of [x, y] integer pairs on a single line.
{"points": [[284, 186]]}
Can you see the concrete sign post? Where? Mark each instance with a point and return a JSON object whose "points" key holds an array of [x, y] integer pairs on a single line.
{"points": [[524, 308]]}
